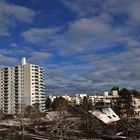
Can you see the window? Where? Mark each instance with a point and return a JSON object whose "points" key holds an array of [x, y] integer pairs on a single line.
{"points": [[114, 116]]}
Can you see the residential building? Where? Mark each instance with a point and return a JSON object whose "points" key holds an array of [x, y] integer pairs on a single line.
{"points": [[21, 86], [66, 97], [79, 98], [136, 106]]}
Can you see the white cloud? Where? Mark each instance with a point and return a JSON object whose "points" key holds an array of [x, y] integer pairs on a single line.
{"points": [[134, 10], [37, 57], [13, 44], [10, 14], [83, 8], [90, 26], [7, 59], [90, 8], [33, 56], [39, 35]]}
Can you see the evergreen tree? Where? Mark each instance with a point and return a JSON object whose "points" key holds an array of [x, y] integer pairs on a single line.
{"points": [[48, 103], [124, 104], [59, 103], [86, 104]]}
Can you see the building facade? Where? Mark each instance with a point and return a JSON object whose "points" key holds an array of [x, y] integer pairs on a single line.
{"points": [[136, 106], [21, 86]]}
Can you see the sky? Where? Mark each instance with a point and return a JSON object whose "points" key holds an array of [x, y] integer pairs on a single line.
{"points": [[84, 45]]}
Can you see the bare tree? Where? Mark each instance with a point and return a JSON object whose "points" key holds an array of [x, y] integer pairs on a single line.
{"points": [[64, 126], [1, 114]]}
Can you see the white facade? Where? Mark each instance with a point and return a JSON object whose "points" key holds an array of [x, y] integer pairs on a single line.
{"points": [[79, 98], [21, 86]]}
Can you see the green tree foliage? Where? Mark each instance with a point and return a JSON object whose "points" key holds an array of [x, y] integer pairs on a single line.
{"points": [[59, 103], [115, 88], [86, 104], [135, 93], [124, 104], [48, 103]]}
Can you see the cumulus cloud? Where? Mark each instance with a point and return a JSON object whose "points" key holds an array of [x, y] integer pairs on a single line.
{"points": [[100, 51], [10, 14], [33, 56], [97, 50], [84, 8], [13, 44], [4, 59], [89, 8], [37, 57], [39, 35]]}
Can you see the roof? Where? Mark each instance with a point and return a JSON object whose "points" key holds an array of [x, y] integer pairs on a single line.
{"points": [[106, 115]]}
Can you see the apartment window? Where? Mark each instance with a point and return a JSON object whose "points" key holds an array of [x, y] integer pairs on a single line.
{"points": [[114, 116]]}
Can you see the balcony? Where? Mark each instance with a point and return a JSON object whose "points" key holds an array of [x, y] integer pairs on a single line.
{"points": [[5, 75], [16, 90], [5, 81], [16, 98], [16, 77], [16, 70], [5, 78], [36, 83], [36, 93], [16, 81], [16, 104], [37, 90], [5, 90], [16, 84], [16, 94], [5, 98], [5, 84]]}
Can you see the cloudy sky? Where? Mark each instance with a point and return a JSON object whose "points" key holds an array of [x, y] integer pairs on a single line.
{"points": [[84, 45]]}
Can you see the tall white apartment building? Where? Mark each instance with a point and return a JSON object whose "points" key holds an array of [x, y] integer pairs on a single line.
{"points": [[20, 86]]}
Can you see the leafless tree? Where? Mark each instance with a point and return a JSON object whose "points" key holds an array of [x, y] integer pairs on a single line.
{"points": [[64, 126]]}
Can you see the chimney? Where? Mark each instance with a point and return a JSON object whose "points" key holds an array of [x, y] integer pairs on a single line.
{"points": [[23, 61]]}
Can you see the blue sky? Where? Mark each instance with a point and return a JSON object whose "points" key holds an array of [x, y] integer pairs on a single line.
{"points": [[84, 45]]}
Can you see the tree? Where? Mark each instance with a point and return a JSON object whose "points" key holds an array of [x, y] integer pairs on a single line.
{"points": [[48, 103], [1, 114], [115, 88], [135, 93], [124, 104], [59, 103], [63, 126], [28, 111], [86, 104]]}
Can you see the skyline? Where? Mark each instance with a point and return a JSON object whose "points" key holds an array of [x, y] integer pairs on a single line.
{"points": [[84, 45]]}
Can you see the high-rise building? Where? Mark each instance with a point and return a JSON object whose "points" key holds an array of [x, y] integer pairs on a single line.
{"points": [[20, 86]]}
